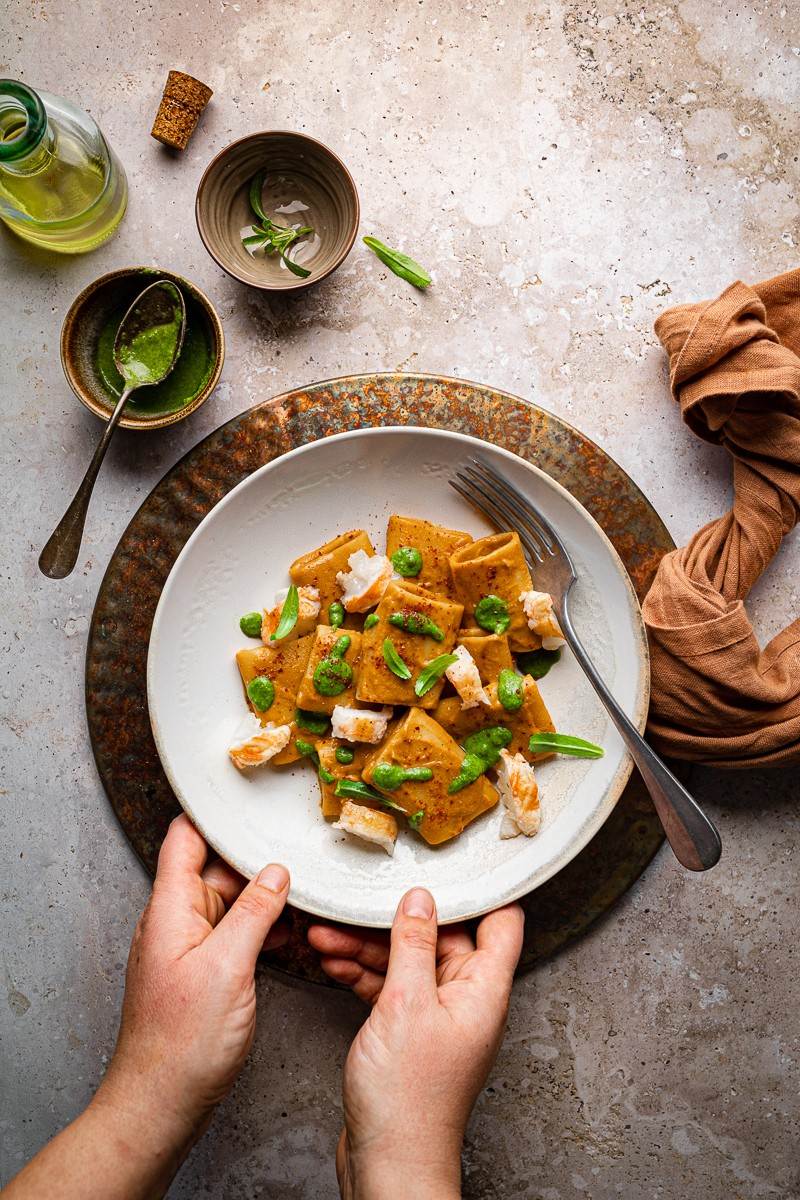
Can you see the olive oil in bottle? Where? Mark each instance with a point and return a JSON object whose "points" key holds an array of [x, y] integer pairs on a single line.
{"points": [[61, 185]]}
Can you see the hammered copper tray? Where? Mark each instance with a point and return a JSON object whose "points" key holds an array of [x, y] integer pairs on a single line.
{"points": [[116, 665]]}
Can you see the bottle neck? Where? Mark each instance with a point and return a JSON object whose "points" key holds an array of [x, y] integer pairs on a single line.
{"points": [[23, 124]]}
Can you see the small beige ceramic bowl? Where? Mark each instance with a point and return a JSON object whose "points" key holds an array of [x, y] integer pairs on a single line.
{"points": [[93, 315], [305, 184]]}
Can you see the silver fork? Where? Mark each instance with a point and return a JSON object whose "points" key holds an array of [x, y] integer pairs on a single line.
{"points": [[690, 833]]}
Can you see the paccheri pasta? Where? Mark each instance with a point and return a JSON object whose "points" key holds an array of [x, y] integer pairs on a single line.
{"points": [[400, 687]]}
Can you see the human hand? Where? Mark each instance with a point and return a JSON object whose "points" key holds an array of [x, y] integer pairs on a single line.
{"points": [[418, 1063], [188, 1019], [188, 1016]]}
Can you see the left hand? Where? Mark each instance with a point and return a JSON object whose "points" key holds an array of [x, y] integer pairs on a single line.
{"points": [[188, 1016]]}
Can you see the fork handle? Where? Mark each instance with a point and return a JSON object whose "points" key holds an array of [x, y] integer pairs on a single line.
{"points": [[692, 836]]}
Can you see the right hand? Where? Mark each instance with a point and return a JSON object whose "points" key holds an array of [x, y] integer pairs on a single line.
{"points": [[418, 1063]]}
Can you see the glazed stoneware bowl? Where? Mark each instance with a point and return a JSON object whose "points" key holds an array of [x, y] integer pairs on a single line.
{"points": [[94, 312], [237, 559], [305, 184]]}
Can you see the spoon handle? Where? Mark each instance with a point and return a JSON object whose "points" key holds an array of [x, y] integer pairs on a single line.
{"points": [[59, 556]]}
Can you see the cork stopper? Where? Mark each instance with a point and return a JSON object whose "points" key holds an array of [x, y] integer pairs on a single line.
{"points": [[179, 111]]}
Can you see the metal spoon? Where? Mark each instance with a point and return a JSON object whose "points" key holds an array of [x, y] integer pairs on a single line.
{"points": [[159, 305]]}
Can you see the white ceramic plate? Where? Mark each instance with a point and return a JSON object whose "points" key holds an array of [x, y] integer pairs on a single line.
{"points": [[234, 562]]}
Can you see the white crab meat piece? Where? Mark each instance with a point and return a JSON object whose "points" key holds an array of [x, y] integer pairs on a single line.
{"points": [[364, 584], [519, 792], [254, 743], [466, 679], [538, 609], [369, 824], [360, 724], [307, 613]]}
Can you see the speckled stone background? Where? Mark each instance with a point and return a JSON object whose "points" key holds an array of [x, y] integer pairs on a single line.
{"points": [[565, 170]]}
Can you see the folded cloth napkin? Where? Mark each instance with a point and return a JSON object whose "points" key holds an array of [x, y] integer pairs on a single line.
{"points": [[735, 371]]}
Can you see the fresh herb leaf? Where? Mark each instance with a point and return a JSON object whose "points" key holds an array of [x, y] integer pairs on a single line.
{"points": [[313, 722], [400, 263], [250, 624], [393, 660], [277, 238], [432, 672], [563, 743], [295, 268], [354, 790], [256, 193], [289, 615], [537, 663]]}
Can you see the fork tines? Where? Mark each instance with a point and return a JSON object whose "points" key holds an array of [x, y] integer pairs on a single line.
{"points": [[490, 492]]}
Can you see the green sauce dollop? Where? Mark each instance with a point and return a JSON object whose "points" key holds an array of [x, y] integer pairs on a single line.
{"points": [[509, 690], [482, 750], [313, 722], [332, 674], [407, 561], [414, 621], [261, 691], [390, 776], [250, 624], [491, 613], [537, 663], [148, 356]]}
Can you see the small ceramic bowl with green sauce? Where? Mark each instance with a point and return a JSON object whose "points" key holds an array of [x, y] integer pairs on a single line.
{"points": [[87, 350]]}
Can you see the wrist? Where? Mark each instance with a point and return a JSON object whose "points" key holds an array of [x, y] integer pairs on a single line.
{"points": [[141, 1114], [393, 1171]]}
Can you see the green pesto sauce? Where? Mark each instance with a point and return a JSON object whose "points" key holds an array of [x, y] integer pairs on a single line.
{"points": [[491, 613], [390, 775], [147, 357], [407, 561], [509, 690], [187, 378]]}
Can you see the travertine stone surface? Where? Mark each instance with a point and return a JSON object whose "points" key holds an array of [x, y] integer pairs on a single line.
{"points": [[564, 170]]}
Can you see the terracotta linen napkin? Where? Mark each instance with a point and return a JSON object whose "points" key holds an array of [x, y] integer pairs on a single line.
{"points": [[735, 371]]}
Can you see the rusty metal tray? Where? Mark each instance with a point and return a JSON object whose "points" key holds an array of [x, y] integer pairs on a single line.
{"points": [[116, 661]]}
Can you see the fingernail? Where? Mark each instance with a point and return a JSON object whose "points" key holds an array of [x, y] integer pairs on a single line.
{"points": [[274, 877], [418, 903]]}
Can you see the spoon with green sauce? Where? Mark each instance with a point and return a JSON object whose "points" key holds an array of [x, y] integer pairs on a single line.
{"points": [[146, 349]]}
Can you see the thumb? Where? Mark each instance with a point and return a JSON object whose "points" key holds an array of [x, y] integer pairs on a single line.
{"points": [[243, 929], [412, 955]]}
